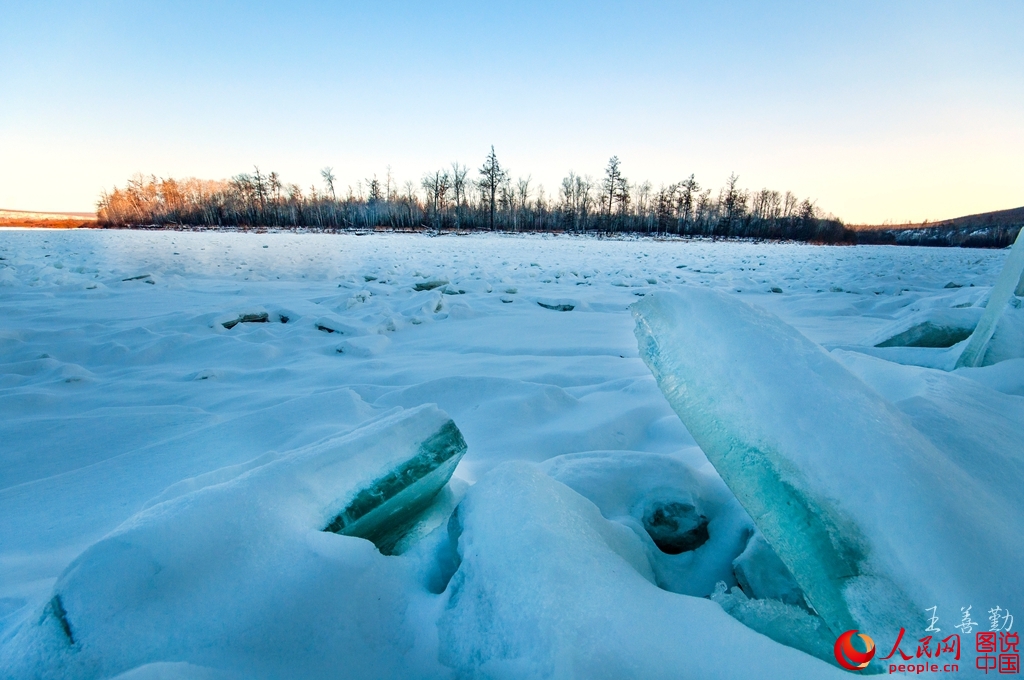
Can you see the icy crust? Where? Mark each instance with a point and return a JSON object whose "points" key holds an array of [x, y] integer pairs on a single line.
{"points": [[549, 588], [240, 574], [855, 500]]}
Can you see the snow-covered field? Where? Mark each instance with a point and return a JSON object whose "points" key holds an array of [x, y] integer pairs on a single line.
{"points": [[133, 408]]}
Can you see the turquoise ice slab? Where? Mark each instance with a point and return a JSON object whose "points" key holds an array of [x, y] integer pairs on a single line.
{"points": [[865, 511]]}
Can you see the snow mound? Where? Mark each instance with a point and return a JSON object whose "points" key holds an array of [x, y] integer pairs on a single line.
{"points": [[365, 346], [241, 569], [634, 488], [630, 487], [549, 588]]}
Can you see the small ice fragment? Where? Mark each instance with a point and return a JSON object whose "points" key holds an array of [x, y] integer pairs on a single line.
{"points": [[430, 285], [251, 317], [330, 324], [762, 575], [787, 624], [557, 305]]}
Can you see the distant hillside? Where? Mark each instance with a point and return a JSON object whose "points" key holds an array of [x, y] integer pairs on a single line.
{"points": [[995, 229], [53, 220]]}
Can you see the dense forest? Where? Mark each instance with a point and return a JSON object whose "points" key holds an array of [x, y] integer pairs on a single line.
{"points": [[454, 198]]}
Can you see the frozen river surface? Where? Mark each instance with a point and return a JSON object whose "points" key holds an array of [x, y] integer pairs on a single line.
{"points": [[122, 374]]}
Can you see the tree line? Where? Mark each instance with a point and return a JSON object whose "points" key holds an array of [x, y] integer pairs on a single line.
{"points": [[456, 198]]}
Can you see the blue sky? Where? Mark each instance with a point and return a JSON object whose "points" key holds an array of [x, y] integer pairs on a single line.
{"points": [[878, 110]]}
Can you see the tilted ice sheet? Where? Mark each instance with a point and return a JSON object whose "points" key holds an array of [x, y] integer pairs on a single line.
{"points": [[1002, 292], [855, 500]]}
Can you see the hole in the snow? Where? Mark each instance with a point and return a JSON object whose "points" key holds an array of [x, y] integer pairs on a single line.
{"points": [[675, 527]]}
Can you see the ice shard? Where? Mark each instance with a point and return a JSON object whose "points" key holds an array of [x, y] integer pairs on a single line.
{"points": [[874, 522], [385, 473], [1010, 280], [382, 510]]}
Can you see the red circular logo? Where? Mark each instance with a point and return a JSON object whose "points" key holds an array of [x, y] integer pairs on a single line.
{"points": [[849, 657]]}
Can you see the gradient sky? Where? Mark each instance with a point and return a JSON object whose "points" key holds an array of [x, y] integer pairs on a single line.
{"points": [[878, 110]]}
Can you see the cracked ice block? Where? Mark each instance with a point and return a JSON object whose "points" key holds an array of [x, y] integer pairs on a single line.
{"points": [[859, 505], [382, 510]]}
